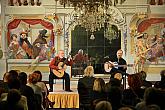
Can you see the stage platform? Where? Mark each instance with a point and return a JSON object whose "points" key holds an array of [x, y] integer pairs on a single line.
{"points": [[65, 99]]}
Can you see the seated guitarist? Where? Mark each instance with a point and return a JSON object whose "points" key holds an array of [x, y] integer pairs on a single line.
{"points": [[121, 61], [58, 71]]}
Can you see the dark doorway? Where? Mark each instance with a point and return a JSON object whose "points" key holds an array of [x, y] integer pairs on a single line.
{"points": [[97, 48]]}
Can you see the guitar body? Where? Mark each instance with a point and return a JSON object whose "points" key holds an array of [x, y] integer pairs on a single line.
{"points": [[107, 67], [60, 73]]}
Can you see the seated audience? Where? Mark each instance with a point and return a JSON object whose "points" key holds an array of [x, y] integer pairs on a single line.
{"points": [[114, 95], [27, 91], [133, 94], [152, 96], [3, 83], [145, 83], [12, 102], [161, 84], [13, 83], [98, 91], [126, 108], [85, 88], [103, 105], [153, 107], [115, 80], [32, 81], [42, 85]]}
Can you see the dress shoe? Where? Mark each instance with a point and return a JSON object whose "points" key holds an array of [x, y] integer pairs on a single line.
{"points": [[50, 90], [51, 104], [69, 90]]}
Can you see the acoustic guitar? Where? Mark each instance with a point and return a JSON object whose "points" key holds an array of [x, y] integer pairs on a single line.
{"points": [[109, 65], [60, 72]]}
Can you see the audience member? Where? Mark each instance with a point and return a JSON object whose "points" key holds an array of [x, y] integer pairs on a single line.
{"points": [[12, 102], [114, 95], [27, 91], [113, 82], [153, 107], [13, 83], [103, 105], [32, 81], [145, 83], [98, 91], [126, 108], [161, 84], [85, 87], [133, 94], [3, 83], [151, 96], [45, 92]]}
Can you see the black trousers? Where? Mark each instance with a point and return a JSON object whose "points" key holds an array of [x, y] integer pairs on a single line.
{"points": [[65, 77]]}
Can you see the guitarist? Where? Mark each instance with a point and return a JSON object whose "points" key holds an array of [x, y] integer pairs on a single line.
{"points": [[112, 67], [120, 61], [54, 65]]}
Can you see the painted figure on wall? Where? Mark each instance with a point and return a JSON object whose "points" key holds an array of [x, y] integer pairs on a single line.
{"points": [[157, 48], [14, 50], [25, 44], [141, 50], [153, 31], [41, 49], [39, 43], [148, 48]]}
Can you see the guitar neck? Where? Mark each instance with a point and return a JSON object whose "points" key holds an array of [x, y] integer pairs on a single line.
{"points": [[123, 65], [65, 61]]}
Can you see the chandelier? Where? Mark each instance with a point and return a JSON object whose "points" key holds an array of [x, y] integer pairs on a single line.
{"points": [[92, 14]]}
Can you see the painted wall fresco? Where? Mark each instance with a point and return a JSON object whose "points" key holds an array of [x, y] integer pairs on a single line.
{"points": [[150, 43], [30, 42]]}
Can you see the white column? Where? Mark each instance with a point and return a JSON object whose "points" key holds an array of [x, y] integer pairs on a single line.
{"points": [[129, 57], [3, 61]]}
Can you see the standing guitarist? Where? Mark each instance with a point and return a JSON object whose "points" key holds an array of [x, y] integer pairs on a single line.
{"points": [[57, 70]]}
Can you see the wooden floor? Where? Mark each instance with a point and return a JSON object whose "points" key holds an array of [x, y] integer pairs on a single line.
{"points": [[58, 84]]}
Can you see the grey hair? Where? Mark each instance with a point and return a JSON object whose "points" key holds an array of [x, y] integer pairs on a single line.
{"points": [[80, 51]]}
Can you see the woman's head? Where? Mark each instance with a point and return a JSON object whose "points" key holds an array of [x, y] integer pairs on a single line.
{"points": [[89, 71], [99, 85], [143, 75], [134, 81], [33, 78]]}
